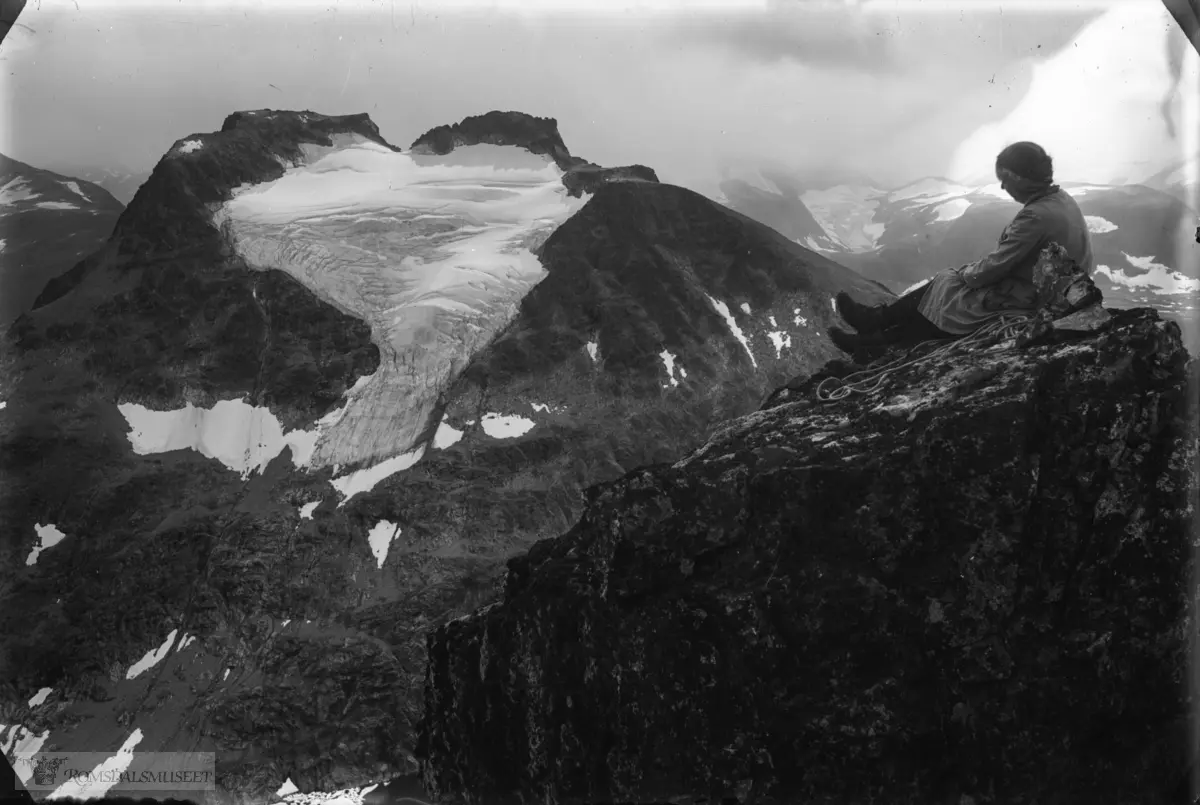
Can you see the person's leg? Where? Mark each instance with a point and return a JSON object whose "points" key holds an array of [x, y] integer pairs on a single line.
{"points": [[906, 328], [904, 309], [872, 319]]}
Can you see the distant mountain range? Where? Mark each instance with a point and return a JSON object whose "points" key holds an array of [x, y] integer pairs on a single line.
{"points": [[48, 222], [118, 180]]}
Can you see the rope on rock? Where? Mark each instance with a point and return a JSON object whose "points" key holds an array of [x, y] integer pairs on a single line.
{"points": [[871, 380]]}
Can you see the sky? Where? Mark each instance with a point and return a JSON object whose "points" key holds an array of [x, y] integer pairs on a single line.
{"points": [[889, 88]]}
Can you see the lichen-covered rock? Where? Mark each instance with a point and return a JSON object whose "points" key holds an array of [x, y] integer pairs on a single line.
{"points": [[971, 585], [1068, 301]]}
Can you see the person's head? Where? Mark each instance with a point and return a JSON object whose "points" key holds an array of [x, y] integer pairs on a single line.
{"points": [[1024, 168]]}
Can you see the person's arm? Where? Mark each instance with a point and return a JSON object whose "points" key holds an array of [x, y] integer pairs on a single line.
{"points": [[1022, 237]]}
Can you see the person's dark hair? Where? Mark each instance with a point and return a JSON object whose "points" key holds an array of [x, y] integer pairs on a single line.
{"points": [[1028, 160]]}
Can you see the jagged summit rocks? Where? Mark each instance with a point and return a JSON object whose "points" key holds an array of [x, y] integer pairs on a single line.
{"points": [[165, 405], [536, 134], [972, 584]]}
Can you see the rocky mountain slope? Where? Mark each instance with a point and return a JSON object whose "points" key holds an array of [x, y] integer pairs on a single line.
{"points": [[774, 197], [969, 586], [48, 223], [316, 390]]}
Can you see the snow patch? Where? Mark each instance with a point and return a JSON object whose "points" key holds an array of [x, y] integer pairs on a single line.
{"points": [[800, 321], [1097, 225], [185, 641], [15, 190], [1158, 279], [929, 191], [365, 480], [592, 348], [189, 146], [74, 188], [993, 189], [812, 244], [152, 657], [349, 796], [951, 209], [17, 742], [306, 511], [780, 339], [40, 697], [287, 788], [380, 537], [445, 436], [242, 437], [913, 287], [104, 776], [845, 213], [1083, 190], [669, 362], [56, 205], [226, 676], [723, 309], [745, 306], [505, 427], [48, 537]]}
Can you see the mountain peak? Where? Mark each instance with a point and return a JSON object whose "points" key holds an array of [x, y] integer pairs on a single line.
{"points": [[251, 147]]}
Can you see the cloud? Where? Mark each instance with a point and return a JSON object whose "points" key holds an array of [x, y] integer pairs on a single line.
{"points": [[676, 92], [837, 37]]}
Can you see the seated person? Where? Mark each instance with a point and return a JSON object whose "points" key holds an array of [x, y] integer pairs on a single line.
{"points": [[958, 301]]}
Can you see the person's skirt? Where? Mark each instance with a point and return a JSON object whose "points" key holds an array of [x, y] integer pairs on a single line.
{"points": [[952, 306]]}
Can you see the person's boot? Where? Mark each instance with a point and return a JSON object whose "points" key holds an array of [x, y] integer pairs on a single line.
{"points": [[863, 318], [863, 348]]}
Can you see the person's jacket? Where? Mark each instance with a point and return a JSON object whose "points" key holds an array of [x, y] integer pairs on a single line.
{"points": [[960, 300], [1053, 216]]}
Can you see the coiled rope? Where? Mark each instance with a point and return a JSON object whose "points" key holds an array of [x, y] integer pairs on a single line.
{"points": [[871, 380]]}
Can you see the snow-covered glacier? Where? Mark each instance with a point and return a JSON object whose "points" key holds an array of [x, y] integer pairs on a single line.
{"points": [[434, 252]]}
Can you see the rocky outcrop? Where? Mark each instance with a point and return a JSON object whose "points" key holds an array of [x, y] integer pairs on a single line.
{"points": [[969, 586], [660, 315], [537, 134]]}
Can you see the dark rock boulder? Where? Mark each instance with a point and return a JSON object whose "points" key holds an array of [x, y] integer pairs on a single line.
{"points": [[970, 586]]}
